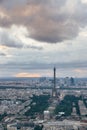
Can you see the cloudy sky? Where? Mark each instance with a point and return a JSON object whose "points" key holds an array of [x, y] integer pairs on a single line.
{"points": [[36, 35]]}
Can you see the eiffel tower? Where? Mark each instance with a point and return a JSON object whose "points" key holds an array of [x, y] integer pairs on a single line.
{"points": [[54, 91]]}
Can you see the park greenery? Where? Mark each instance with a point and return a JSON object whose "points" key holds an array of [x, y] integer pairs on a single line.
{"points": [[38, 105], [66, 105], [2, 116], [37, 127]]}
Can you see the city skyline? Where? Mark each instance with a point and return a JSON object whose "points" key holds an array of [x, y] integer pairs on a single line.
{"points": [[36, 35]]}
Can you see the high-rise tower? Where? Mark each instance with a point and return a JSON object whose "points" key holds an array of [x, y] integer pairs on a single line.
{"points": [[54, 92], [54, 77]]}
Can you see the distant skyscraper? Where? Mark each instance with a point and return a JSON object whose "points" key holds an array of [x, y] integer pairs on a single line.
{"points": [[54, 92], [72, 82]]}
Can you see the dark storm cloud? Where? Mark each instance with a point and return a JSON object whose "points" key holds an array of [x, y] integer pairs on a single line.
{"points": [[49, 21], [1, 1], [9, 4]]}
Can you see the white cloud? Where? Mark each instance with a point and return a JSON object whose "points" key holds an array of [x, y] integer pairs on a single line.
{"points": [[25, 34], [84, 1], [17, 37]]}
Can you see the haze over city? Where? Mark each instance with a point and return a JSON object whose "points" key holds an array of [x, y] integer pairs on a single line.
{"points": [[36, 35]]}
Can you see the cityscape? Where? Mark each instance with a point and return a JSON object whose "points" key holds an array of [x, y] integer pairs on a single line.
{"points": [[43, 103], [43, 64]]}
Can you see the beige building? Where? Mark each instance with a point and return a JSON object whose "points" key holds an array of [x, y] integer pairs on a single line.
{"points": [[12, 126], [65, 125]]}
